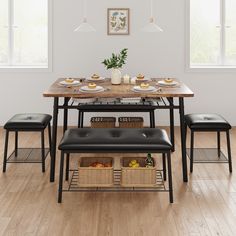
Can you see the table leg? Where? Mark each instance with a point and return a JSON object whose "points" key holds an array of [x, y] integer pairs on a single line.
{"points": [[54, 139], [82, 120], [152, 119], [65, 121], [183, 140], [79, 119], [65, 126], [172, 128]]}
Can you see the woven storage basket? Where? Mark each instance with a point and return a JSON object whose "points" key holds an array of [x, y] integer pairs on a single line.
{"points": [[103, 122], [93, 176], [130, 122], [137, 177]]}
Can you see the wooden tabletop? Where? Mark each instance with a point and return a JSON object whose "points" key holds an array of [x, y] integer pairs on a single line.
{"points": [[116, 91]]}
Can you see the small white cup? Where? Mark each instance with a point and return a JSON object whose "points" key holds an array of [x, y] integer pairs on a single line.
{"points": [[126, 79]]}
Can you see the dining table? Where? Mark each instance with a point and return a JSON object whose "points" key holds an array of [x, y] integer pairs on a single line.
{"points": [[165, 97]]}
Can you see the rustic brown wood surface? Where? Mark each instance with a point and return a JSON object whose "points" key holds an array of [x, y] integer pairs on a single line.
{"points": [[116, 91]]}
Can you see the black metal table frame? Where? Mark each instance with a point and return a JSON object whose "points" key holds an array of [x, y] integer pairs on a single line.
{"points": [[171, 106]]}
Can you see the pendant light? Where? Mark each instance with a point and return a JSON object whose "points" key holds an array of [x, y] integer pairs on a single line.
{"points": [[85, 27], [151, 27]]}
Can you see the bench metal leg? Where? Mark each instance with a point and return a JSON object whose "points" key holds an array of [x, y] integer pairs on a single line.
{"points": [[229, 151], [191, 151], [43, 151], [170, 177], [164, 165], [67, 166], [16, 143], [60, 188], [5, 151], [218, 143]]}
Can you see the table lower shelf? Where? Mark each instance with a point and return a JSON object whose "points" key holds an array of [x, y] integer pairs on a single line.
{"points": [[74, 187]]}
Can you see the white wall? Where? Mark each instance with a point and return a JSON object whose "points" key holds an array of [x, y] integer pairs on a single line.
{"points": [[161, 54]]}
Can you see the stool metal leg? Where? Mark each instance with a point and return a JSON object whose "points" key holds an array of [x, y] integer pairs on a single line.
{"points": [[218, 143], [229, 151], [164, 165], [16, 143], [191, 151], [5, 151], [61, 178], [43, 151], [67, 166], [170, 177]]}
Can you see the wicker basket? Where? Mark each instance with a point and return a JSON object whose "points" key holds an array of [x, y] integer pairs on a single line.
{"points": [[137, 177], [130, 122], [103, 122], [95, 177]]}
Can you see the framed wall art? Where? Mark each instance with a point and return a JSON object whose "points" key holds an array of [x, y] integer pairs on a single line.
{"points": [[118, 21]]}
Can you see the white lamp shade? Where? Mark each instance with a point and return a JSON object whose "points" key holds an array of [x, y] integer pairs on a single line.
{"points": [[85, 27], [152, 28]]}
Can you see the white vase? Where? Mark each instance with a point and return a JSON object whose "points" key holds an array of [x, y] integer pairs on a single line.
{"points": [[115, 76]]}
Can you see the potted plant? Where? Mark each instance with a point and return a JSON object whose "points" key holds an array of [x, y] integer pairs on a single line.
{"points": [[115, 63]]}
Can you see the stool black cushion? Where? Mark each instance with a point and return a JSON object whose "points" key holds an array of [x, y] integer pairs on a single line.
{"points": [[115, 140], [210, 122], [28, 121]]}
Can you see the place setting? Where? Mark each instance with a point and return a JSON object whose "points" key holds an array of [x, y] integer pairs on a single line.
{"points": [[168, 83], [91, 88], [140, 78], [95, 78], [144, 88], [69, 82]]}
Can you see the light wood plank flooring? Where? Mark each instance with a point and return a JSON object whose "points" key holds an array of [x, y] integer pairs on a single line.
{"points": [[206, 205]]}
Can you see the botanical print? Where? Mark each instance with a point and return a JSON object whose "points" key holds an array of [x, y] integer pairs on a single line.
{"points": [[118, 21]]}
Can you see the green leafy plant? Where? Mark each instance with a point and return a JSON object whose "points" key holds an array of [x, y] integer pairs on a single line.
{"points": [[117, 60]]}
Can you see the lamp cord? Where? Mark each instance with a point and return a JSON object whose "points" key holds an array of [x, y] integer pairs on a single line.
{"points": [[85, 10], [151, 6]]}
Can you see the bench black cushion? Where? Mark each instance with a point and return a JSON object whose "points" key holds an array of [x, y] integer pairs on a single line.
{"points": [[28, 121], [115, 140], [212, 122]]}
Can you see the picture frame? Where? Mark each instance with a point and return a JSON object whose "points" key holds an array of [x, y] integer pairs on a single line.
{"points": [[118, 21]]}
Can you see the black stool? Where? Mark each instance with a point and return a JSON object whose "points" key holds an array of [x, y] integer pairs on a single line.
{"points": [[208, 123], [27, 122]]}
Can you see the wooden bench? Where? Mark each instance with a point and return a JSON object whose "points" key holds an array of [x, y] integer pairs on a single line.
{"points": [[114, 140]]}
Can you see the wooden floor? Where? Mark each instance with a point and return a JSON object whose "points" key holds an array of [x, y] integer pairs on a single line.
{"points": [[206, 205]]}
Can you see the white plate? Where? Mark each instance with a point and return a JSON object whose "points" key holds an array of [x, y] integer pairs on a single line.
{"points": [[75, 82], [92, 79], [139, 89], [86, 89], [144, 79], [163, 83]]}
